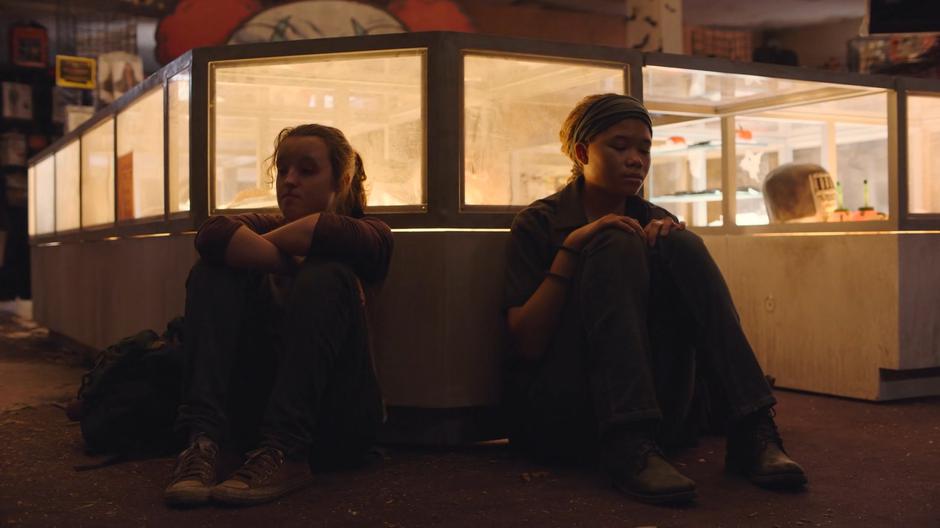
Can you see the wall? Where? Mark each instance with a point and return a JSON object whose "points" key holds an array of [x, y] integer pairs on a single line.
{"points": [[815, 45], [546, 24]]}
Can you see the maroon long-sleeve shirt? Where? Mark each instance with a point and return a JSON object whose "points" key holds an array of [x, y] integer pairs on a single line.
{"points": [[364, 244]]}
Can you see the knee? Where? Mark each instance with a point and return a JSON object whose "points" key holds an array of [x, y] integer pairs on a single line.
{"points": [[615, 242], [326, 280], [683, 245], [204, 275]]}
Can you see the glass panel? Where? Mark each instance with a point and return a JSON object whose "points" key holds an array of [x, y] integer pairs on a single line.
{"points": [[178, 108], [711, 89], [685, 176], [923, 154], [31, 201], [140, 158], [376, 99], [67, 164], [513, 109], [98, 175], [45, 196], [847, 138], [762, 145]]}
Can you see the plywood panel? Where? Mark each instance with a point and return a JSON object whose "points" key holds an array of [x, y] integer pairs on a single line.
{"points": [[919, 322], [99, 292], [820, 311], [408, 323], [437, 322]]}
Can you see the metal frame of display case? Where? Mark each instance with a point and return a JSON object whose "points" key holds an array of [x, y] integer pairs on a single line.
{"points": [[444, 98]]}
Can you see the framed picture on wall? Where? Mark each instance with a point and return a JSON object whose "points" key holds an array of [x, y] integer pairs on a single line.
{"points": [[29, 46], [17, 100]]}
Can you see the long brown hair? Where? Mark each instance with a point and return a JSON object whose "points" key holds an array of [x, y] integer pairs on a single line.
{"points": [[348, 171]]}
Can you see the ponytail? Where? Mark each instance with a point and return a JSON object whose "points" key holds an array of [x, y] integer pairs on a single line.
{"points": [[357, 189]]}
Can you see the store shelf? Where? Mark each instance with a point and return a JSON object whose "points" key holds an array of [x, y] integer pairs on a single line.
{"points": [[705, 196]]}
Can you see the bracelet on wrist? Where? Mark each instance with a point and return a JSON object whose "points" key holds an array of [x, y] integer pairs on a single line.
{"points": [[557, 276], [571, 250]]}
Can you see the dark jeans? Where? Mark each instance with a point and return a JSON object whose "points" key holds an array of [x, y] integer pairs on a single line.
{"points": [[640, 325], [289, 367]]}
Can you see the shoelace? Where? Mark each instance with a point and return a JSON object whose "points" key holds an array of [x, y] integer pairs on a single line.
{"points": [[261, 464], [765, 431], [633, 452], [197, 462]]}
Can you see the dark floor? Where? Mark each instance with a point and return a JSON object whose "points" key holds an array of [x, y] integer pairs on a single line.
{"points": [[870, 465]]}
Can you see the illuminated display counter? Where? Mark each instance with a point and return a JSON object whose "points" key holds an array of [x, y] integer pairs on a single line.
{"points": [[817, 192]]}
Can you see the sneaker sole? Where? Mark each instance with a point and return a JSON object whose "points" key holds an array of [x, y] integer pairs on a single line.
{"points": [[247, 497], [187, 497]]}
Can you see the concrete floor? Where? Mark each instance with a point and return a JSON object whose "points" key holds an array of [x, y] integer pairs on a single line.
{"points": [[870, 465]]}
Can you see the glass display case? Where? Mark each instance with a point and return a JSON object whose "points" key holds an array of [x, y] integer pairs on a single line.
{"points": [[775, 167], [67, 169], [97, 177], [923, 155], [376, 98], [719, 134], [140, 155], [513, 108], [178, 88], [461, 131]]}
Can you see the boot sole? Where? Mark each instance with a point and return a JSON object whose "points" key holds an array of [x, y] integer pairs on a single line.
{"points": [[779, 481], [247, 497], [679, 497], [774, 481]]}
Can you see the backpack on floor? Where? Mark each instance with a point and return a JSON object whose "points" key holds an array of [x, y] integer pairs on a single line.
{"points": [[128, 401]]}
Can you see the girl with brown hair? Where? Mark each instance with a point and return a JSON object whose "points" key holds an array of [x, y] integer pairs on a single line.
{"points": [[276, 334]]}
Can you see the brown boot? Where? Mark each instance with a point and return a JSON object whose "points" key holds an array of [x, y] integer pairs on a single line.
{"points": [[266, 475], [755, 450], [639, 469], [194, 474]]}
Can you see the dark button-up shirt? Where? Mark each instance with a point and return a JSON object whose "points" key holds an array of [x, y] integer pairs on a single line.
{"points": [[541, 228]]}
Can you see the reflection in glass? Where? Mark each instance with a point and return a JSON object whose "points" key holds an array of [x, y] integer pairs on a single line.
{"points": [[685, 176], [513, 109], [45, 196], [98, 175], [178, 149], [376, 99], [923, 153], [67, 164], [140, 158]]}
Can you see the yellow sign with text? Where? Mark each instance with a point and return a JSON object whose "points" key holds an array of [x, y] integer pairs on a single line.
{"points": [[75, 72]]}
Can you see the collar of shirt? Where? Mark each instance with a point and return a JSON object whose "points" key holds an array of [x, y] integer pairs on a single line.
{"points": [[570, 208]]}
